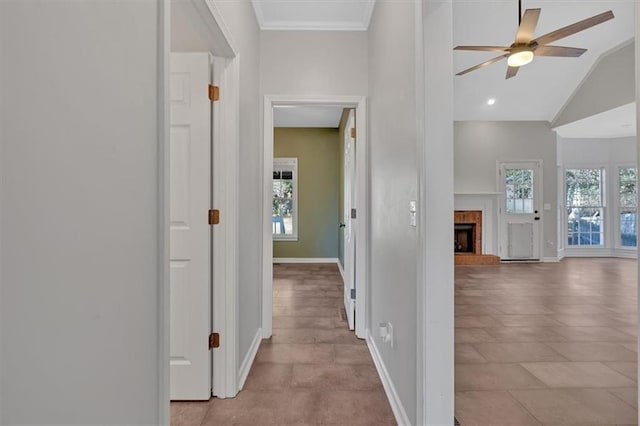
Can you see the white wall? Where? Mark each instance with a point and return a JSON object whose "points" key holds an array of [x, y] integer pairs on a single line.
{"points": [[394, 177], [241, 22], [610, 84], [435, 299], [313, 63], [609, 154], [79, 226], [478, 145]]}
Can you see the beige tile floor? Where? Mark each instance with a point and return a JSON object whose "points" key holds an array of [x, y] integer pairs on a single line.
{"points": [[312, 371], [551, 344]]}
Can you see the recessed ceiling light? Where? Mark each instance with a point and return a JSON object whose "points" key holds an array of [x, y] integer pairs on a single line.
{"points": [[491, 101]]}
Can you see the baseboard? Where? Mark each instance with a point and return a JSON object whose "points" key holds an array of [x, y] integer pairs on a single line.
{"points": [[601, 252], [245, 367], [561, 254], [306, 260], [392, 395], [341, 270], [625, 253], [551, 259]]}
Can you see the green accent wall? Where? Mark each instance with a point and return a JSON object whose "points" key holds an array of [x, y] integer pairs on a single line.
{"points": [[318, 154]]}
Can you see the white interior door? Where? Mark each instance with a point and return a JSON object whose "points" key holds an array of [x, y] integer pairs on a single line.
{"points": [[520, 216], [349, 221], [190, 235]]}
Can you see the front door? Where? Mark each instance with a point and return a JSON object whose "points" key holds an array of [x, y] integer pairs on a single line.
{"points": [[520, 216], [190, 235]]}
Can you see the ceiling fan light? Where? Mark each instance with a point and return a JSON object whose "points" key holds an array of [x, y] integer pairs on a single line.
{"points": [[518, 59]]}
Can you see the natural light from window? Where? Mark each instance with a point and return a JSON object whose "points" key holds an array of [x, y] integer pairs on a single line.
{"points": [[285, 198], [628, 205], [585, 209]]}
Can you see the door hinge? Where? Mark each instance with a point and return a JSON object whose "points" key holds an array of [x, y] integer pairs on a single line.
{"points": [[214, 217], [353, 213], [353, 133], [353, 293], [214, 340], [214, 93]]}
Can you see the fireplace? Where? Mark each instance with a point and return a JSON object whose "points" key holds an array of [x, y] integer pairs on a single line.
{"points": [[467, 231], [464, 237]]}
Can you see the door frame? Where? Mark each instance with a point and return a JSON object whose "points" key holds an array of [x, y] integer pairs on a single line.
{"points": [[362, 225], [538, 198], [225, 196]]}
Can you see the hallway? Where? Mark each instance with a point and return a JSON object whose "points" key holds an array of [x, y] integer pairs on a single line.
{"points": [[547, 343], [312, 371]]}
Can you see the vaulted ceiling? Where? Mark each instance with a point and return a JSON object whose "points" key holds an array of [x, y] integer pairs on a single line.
{"points": [[540, 89]]}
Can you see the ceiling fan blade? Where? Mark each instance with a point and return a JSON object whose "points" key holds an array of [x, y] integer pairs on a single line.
{"points": [[527, 26], [511, 72], [574, 28], [484, 64], [559, 51], [483, 48]]}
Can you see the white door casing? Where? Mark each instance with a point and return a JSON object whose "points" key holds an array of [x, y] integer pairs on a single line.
{"points": [[361, 183], [349, 232], [520, 210], [190, 234]]}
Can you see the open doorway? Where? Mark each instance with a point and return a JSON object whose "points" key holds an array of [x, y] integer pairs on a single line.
{"points": [[533, 319], [282, 226], [313, 200]]}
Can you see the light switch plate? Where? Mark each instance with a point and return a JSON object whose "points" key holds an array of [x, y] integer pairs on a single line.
{"points": [[546, 206], [412, 212]]}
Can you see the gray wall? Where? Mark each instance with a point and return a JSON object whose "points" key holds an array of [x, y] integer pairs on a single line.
{"points": [[610, 84], [393, 153], [614, 151], [79, 197], [478, 145], [240, 20], [313, 62]]}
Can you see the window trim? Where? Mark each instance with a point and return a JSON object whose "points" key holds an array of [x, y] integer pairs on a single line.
{"points": [[287, 162], [618, 208], [605, 234]]}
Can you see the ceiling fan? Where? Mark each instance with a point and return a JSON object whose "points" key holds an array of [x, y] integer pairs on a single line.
{"points": [[525, 47]]}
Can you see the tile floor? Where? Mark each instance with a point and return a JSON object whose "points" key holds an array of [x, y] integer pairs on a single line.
{"points": [[551, 344], [312, 371], [547, 343]]}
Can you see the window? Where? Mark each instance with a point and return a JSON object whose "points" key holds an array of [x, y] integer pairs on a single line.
{"points": [[585, 208], [628, 206], [285, 199], [519, 191]]}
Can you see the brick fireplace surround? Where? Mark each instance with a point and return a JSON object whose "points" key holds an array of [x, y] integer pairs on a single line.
{"points": [[473, 217]]}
